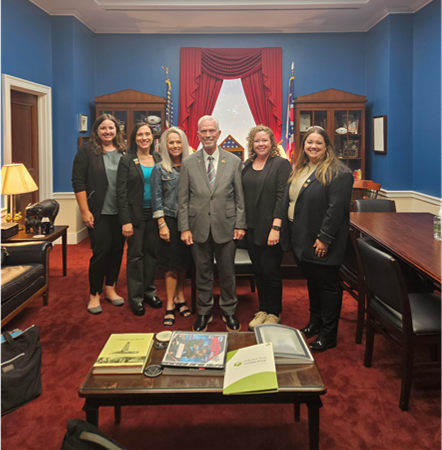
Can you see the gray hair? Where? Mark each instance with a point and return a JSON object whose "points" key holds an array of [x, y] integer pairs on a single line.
{"points": [[204, 118], [166, 164]]}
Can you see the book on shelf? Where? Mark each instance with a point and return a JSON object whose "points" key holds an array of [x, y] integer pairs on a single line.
{"points": [[124, 354], [251, 370], [289, 347], [193, 349]]}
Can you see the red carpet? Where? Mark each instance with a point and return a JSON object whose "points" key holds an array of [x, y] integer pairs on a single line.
{"points": [[360, 408]]}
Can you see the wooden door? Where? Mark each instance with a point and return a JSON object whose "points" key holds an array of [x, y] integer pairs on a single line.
{"points": [[24, 135]]}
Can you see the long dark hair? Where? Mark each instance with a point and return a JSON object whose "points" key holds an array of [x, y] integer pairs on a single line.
{"points": [[133, 135], [118, 140]]}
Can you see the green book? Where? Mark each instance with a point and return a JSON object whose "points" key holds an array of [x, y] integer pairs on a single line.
{"points": [[251, 370]]}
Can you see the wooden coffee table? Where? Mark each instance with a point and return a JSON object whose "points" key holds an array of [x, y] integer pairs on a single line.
{"points": [[297, 384], [59, 231]]}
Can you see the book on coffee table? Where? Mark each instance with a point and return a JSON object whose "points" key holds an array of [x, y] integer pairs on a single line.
{"points": [[289, 346], [196, 350], [250, 370], [124, 354]]}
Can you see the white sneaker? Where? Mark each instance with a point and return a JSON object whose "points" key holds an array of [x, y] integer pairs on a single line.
{"points": [[259, 319], [271, 318]]}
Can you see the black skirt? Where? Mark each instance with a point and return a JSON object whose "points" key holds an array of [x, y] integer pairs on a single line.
{"points": [[175, 255]]}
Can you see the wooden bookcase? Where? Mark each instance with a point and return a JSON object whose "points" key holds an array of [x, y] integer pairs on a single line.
{"points": [[342, 115], [130, 107]]}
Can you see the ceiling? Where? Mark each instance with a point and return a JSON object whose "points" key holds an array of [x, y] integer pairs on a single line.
{"points": [[228, 16]]}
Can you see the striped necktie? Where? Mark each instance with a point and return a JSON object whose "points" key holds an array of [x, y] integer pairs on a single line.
{"points": [[211, 171]]}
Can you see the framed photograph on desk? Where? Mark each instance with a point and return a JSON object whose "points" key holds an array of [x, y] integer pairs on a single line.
{"points": [[380, 134]]}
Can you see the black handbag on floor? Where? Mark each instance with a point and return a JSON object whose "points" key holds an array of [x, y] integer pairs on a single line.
{"points": [[82, 435], [21, 369]]}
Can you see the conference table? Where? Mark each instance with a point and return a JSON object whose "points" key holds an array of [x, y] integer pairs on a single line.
{"points": [[408, 236]]}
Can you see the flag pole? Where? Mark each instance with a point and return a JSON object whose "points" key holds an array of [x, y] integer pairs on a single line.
{"points": [[169, 104]]}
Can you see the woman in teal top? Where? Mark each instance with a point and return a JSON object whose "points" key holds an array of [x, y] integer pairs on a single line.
{"points": [[135, 213]]}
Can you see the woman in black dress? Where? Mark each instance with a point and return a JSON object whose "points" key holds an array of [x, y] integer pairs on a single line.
{"points": [[264, 179], [175, 256]]}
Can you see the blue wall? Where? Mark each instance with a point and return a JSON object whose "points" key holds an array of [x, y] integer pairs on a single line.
{"points": [[396, 65], [73, 92], [427, 100], [389, 88]]}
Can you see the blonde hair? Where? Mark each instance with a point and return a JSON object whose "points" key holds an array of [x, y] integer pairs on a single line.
{"points": [[274, 150], [166, 164], [118, 140], [328, 168]]}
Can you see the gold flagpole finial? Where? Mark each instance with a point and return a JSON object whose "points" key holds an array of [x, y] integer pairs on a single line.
{"points": [[167, 72]]}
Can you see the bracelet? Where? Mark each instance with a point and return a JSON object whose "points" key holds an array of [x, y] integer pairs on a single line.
{"points": [[162, 225]]}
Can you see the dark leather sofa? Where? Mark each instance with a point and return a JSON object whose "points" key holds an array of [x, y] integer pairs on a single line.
{"points": [[24, 276]]}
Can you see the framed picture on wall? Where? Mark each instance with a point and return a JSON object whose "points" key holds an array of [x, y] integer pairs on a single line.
{"points": [[380, 134], [83, 123]]}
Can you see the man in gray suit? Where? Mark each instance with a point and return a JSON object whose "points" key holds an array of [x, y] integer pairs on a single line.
{"points": [[210, 217]]}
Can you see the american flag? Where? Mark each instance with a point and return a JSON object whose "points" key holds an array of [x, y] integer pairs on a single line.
{"points": [[169, 106], [230, 143], [290, 127]]}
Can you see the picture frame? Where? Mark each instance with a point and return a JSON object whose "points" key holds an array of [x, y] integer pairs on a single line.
{"points": [[380, 134], [83, 123]]}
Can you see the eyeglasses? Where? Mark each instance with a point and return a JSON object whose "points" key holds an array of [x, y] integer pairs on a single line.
{"points": [[315, 126]]}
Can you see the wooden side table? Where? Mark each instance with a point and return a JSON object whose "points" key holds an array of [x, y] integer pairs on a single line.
{"points": [[59, 231]]}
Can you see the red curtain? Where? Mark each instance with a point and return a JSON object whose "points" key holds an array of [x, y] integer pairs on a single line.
{"points": [[203, 70]]}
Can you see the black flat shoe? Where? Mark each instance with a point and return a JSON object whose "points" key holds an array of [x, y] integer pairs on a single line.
{"points": [[310, 330], [202, 322], [153, 302], [138, 309], [232, 323], [169, 321], [321, 345]]}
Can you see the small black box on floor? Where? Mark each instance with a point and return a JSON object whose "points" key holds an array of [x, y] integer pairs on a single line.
{"points": [[9, 229]]}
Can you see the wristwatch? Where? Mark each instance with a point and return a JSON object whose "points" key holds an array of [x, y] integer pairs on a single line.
{"points": [[275, 227]]}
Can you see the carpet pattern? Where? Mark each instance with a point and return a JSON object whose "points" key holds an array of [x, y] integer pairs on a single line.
{"points": [[360, 408]]}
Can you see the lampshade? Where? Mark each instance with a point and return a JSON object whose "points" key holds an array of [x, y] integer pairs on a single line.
{"points": [[15, 179]]}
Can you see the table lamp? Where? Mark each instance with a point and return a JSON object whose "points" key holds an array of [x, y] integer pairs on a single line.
{"points": [[16, 180]]}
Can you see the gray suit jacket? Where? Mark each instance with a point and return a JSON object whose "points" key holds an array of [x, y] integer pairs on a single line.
{"points": [[201, 210]]}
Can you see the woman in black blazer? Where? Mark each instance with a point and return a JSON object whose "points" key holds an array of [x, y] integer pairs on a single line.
{"points": [[94, 176], [264, 178], [135, 211], [315, 227]]}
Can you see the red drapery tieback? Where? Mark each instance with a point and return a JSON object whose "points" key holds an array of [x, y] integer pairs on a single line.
{"points": [[201, 75]]}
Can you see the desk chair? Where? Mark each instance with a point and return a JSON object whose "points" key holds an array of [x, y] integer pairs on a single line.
{"points": [[351, 272], [370, 188], [406, 320], [373, 205]]}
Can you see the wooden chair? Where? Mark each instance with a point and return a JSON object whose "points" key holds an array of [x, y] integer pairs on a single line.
{"points": [[406, 320], [370, 187]]}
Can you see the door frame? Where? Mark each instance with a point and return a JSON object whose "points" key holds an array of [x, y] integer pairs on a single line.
{"points": [[44, 108]]}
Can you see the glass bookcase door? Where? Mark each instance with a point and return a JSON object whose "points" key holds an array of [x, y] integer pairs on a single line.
{"points": [[307, 119], [347, 138]]}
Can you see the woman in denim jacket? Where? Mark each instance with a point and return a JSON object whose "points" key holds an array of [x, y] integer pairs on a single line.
{"points": [[175, 256]]}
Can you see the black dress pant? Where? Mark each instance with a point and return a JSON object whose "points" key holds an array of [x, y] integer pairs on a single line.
{"points": [[325, 295], [266, 262], [142, 250], [107, 244]]}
